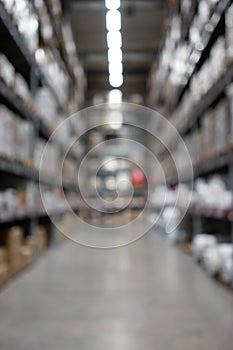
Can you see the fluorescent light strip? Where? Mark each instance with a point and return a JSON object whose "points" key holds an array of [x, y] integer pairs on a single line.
{"points": [[114, 39], [116, 81], [114, 43], [113, 20], [112, 4]]}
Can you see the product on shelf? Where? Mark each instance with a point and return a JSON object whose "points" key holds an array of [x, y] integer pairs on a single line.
{"points": [[229, 92], [7, 71], [6, 138], [50, 161], [14, 243], [27, 22], [229, 34], [46, 105], [21, 87], [200, 243], [221, 123], [41, 239], [4, 266]]}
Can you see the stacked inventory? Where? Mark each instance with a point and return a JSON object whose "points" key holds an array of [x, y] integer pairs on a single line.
{"points": [[192, 85], [41, 83]]}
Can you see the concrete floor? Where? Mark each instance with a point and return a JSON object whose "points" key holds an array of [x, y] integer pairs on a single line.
{"points": [[147, 295]]}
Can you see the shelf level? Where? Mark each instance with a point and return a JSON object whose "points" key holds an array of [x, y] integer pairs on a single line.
{"points": [[207, 36], [19, 47]]}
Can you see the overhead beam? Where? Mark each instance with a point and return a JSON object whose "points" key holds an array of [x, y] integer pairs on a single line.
{"points": [[94, 5]]}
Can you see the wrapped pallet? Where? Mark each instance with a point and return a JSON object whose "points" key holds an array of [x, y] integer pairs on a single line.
{"points": [[14, 244], [4, 267], [41, 238]]}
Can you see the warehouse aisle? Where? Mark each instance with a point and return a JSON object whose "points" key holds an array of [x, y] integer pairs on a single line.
{"points": [[147, 295]]}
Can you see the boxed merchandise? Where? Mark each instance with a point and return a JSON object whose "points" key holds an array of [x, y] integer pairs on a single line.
{"points": [[208, 137], [221, 132], [7, 71], [41, 239], [230, 111], [200, 243], [21, 87], [229, 34], [6, 138], [14, 244], [38, 152], [23, 138], [4, 273]]}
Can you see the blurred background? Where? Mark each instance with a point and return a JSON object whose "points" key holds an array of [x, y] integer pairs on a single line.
{"points": [[59, 57]]}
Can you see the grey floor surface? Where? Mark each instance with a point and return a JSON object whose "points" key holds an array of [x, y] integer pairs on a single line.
{"points": [[147, 295]]}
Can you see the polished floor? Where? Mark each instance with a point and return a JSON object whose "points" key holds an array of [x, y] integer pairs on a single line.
{"points": [[147, 295]]}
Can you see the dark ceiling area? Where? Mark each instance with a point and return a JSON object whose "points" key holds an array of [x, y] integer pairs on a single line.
{"points": [[142, 26]]}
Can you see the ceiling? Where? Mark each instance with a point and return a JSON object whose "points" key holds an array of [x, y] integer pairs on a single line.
{"points": [[142, 24]]}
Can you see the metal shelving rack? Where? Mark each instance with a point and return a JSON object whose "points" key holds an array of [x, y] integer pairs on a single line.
{"points": [[32, 72], [223, 162]]}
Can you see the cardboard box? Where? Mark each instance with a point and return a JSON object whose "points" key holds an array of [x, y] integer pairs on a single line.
{"points": [[41, 238], [208, 135], [221, 132], [4, 273], [14, 244]]}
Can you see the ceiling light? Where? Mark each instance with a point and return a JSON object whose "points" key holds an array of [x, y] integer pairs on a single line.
{"points": [[112, 4], [114, 39], [114, 55], [116, 80], [115, 68], [113, 20], [115, 96]]}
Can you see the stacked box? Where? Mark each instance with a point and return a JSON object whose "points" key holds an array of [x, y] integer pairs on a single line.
{"points": [[230, 112], [201, 155], [14, 244], [208, 134], [221, 132], [4, 266], [41, 239], [229, 34]]}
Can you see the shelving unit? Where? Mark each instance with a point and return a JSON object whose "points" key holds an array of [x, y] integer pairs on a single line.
{"points": [[187, 109], [16, 173]]}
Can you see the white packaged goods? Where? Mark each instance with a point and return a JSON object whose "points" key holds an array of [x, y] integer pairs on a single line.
{"points": [[50, 161], [24, 137], [225, 251], [47, 105], [21, 87], [211, 260], [218, 259], [229, 33], [39, 147], [7, 71], [27, 22], [200, 243], [227, 270], [230, 110], [6, 138]]}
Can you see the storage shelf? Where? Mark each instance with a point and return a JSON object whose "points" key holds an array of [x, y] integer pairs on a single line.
{"points": [[16, 103], [18, 40], [211, 213], [20, 170], [25, 214], [206, 102], [205, 168], [206, 38]]}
